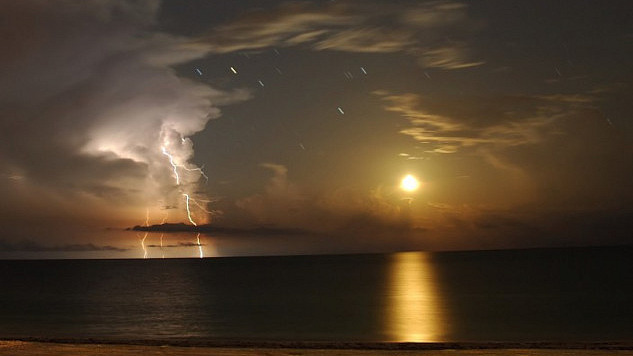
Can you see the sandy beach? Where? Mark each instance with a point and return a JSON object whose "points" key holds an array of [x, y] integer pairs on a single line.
{"points": [[27, 348]]}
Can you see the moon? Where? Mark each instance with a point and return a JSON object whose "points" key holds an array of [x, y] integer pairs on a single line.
{"points": [[409, 183]]}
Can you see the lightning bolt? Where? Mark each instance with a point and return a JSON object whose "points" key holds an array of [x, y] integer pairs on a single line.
{"points": [[206, 178], [199, 246], [200, 206], [143, 245], [145, 253], [173, 164], [182, 188], [161, 245], [176, 166], [189, 210]]}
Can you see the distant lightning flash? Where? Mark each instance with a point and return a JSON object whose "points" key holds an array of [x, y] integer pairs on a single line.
{"points": [[171, 161], [161, 245]]}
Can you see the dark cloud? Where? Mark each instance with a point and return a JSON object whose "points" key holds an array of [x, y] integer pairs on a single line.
{"points": [[533, 227], [34, 246], [180, 244], [215, 229]]}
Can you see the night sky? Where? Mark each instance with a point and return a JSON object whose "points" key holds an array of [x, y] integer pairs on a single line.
{"points": [[300, 119]]}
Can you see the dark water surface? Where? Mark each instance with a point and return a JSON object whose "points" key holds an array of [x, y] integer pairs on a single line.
{"points": [[569, 295]]}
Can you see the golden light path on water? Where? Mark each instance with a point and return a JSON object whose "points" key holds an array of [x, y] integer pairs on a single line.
{"points": [[414, 313]]}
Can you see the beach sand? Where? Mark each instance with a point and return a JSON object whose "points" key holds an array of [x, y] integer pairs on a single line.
{"points": [[25, 348]]}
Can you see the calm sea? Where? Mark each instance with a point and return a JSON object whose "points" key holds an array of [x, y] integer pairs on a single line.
{"points": [[583, 294]]}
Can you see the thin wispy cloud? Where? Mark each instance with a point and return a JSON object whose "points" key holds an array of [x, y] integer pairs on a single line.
{"points": [[508, 121], [419, 30]]}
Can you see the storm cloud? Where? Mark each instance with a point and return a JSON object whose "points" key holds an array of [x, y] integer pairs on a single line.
{"points": [[94, 109]]}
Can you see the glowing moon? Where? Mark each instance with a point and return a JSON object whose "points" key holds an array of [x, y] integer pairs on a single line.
{"points": [[409, 183]]}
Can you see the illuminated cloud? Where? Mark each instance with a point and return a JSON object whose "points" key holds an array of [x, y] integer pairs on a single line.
{"points": [[554, 150], [505, 122], [281, 203], [98, 118], [454, 56], [334, 214], [293, 24], [367, 40], [419, 30]]}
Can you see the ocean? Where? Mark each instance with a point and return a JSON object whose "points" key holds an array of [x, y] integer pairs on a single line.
{"points": [[558, 295]]}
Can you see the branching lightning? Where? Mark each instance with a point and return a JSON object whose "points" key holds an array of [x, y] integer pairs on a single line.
{"points": [[198, 169], [200, 206], [171, 148], [173, 164], [175, 167]]}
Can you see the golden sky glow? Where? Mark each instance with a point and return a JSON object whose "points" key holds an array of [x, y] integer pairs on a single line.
{"points": [[307, 117]]}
